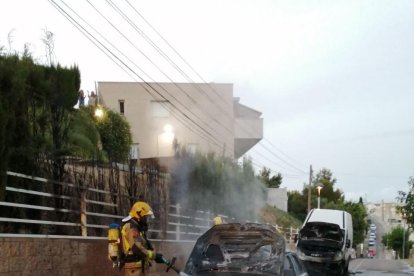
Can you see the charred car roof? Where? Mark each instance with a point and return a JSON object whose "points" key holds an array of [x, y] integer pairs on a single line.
{"points": [[238, 249]]}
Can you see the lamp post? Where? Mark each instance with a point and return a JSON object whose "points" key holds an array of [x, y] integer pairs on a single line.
{"points": [[403, 249], [319, 187], [403, 215]]}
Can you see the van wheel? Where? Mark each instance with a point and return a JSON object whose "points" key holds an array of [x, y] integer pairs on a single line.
{"points": [[341, 270]]}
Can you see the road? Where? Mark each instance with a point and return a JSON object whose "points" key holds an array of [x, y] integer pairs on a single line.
{"points": [[379, 266], [384, 262]]}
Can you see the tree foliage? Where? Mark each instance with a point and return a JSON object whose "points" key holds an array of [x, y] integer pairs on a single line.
{"points": [[215, 183], [328, 192], [395, 240], [273, 181], [407, 203], [359, 219], [297, 204], [116, 136], [36, 103], [331, 198], [84, 138], [13, 75]]}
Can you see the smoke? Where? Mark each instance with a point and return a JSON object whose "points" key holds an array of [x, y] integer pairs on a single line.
{"points": [[218, 185]]}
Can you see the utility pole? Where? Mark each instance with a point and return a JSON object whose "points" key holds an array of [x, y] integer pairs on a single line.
{"points": [[309, 188]]}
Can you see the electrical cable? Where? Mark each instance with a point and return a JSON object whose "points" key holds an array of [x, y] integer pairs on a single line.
{"points": [[165, 56], [89, 35], [136, 28], [129, 58]]}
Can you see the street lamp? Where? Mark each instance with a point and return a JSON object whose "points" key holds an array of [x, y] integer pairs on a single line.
{"points": [[319, 187], [98, 112], [403, 215]]}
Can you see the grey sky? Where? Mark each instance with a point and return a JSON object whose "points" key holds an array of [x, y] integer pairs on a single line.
{"points": [[334, 79]]}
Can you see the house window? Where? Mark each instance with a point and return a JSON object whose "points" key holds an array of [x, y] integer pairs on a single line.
{"points": [[159, 109], [122, 107]]}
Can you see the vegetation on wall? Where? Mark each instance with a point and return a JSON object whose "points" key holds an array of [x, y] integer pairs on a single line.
{"points": [[406, 209], [40, 130], [36, 103], [115, 135], [398, 239], [218, 184]]}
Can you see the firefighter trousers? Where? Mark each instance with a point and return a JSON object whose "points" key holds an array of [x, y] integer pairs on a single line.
{"points": [[135, 269]]}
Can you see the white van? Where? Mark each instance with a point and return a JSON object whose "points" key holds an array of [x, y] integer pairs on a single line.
{"points": [[324, 241]]}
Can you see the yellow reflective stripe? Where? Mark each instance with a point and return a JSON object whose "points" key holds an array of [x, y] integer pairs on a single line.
{"points": [[150, 254], [217, 220], [125, 240]]}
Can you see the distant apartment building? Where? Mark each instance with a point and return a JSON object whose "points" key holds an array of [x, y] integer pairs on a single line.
{"points": [[197, 116]]}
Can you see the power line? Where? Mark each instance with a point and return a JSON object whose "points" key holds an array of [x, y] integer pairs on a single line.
{"points": [[286, 155], [287, 163], [166, 57], [371, 176], [159, 86], [273, 162], [137, 29], [260, 166], [123, 35], [185, 61], [118, 60], [126, 38]]}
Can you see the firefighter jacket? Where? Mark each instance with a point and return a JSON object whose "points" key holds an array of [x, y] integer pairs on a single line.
{"points": [[217, 220], [135, 244]]}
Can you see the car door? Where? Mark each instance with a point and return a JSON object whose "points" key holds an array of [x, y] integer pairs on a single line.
{"points": [[294, 262]]}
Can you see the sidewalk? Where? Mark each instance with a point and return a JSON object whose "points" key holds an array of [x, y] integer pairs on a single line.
{"points": [[409, 265]]}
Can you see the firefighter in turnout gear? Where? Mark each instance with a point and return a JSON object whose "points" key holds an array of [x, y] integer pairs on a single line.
{"points": [[217, 220], [137, 249]]}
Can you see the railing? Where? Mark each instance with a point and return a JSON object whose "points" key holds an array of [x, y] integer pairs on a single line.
{"points": [[181, 224]]}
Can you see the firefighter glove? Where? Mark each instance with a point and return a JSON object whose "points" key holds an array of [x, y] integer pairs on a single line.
{"points": [[159, 258]]}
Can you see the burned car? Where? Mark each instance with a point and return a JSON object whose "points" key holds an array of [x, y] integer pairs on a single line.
{"points": [[324, 241], [239, 249]]}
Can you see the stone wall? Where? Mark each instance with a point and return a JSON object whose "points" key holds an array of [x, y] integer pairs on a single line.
{"points": [[73, 257]]}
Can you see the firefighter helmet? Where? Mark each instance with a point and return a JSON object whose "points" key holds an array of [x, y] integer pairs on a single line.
{"points": [[141, 209]]}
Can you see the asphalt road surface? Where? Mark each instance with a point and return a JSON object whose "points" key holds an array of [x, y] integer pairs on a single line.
{"points": [[384, 262], [379, 266]]}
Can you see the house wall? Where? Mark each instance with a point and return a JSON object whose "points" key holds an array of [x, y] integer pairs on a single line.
{"points": [[210, 107]]}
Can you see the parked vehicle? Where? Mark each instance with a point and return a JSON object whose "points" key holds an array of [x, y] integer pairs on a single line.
{"points": [[371, 253], [243, 249], [324, 241]]}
